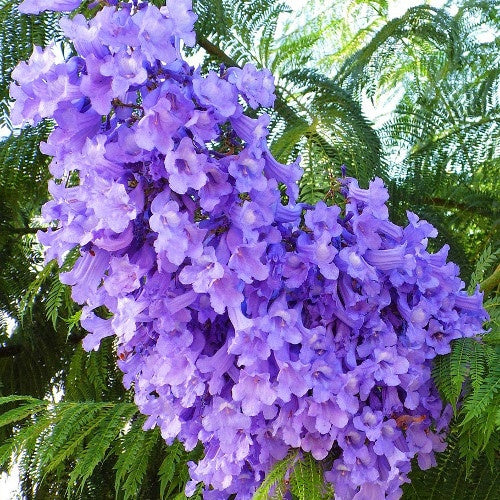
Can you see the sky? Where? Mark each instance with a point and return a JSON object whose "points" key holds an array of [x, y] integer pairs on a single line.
{"points": [[380, 112], [396, 7]]}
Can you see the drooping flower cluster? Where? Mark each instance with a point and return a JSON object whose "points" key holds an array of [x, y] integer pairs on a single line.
{"points": [[250, 325]]}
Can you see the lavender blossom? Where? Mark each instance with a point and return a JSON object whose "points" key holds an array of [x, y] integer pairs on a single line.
{"points": [[37, 6]]}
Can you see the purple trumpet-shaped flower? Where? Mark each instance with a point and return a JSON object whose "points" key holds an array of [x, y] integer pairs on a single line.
{"points": [[86, 275], [97, 86], [217, 93], [253, 131], [373, 199], [291, 380], [123, 278], [183, 18], [322, 219], [328, 417], [41, 86], [98, 329], [126, 70], [254, 391], [85, 36], [392, 258], [370, 422], [247, 172], [37, 6], [289, 175], [321, 252], [112, 205], [246, 262], [157, 126], [186, 167], [390, 365], [281, 325], [256, 86], [155, 34], [251, 343], [177, 238], [203, 272]]}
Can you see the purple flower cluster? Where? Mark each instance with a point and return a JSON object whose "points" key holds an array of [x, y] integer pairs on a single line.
{"points": [[244, 323]]}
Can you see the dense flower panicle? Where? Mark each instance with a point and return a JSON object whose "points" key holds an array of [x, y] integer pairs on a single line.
{"points": [[246, 324]]}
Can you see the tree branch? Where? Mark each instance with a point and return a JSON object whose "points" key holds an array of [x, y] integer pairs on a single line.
{"points": [[453, 205], [25, 230], [491, 282]]}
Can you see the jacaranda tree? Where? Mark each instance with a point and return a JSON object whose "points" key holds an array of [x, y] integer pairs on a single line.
{"points": [[275, 345]]}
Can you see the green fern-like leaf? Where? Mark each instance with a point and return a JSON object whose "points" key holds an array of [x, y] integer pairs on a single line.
{"points": [[65, 442], [168, 467], [459, 364], [100, 443], [25, 440], [485, 262], [307, 481], [483, 396], [173, 471], [276, 476], [57, 295], [132, 465], [35, 286], [15, 415], [450, 478]]}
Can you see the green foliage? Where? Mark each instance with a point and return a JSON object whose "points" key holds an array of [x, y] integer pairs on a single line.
{"points": [[47, 289], [452, 479], [298, 474], [385, 57], [471, 375], [485, 263], [275, 482], [307, 482], [23, 177], [333, 129], [94, 376], [74, 441], [441, 141], [31, 405], [173, 470], [132, 465]]}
